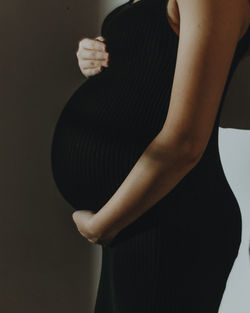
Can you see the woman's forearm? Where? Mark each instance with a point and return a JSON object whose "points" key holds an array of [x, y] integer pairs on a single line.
{"points": [[155, 174]]}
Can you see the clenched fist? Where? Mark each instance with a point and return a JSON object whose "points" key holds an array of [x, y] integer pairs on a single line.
{"points": [[92, 55]]}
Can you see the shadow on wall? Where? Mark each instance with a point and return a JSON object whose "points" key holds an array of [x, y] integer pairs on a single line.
{"points": [[46, 265], [236, 109]]}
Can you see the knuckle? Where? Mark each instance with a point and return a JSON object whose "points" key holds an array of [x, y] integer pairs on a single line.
{"points": [[83, 42], [84, 72]]}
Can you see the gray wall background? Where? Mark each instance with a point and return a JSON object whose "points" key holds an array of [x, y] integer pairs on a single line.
{"points": [[46, 265]]}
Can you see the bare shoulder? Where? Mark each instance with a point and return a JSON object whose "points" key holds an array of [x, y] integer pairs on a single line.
{"points": [[240, 9]]}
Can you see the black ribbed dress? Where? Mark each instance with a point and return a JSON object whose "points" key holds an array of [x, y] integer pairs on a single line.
{"points": [[177, 256]]}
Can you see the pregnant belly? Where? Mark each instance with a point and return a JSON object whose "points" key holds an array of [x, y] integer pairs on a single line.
{"points": [[90, 157]]}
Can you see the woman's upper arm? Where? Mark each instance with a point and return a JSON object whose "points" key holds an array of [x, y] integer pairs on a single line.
{"points": [[209, 32]]}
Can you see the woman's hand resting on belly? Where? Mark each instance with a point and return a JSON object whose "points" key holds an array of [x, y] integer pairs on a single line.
{"points": [[92, 55]]}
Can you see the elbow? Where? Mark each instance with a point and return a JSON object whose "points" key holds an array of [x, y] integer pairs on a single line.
{"points": [[191, 151], [184, 150]]}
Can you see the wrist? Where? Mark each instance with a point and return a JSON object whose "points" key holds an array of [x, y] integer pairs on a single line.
{"points": [[101, 231]]}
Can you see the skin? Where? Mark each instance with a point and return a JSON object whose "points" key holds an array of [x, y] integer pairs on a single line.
{"points": [[208, 34], [92, 55]]}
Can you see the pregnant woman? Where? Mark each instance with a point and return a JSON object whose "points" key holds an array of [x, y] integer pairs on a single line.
{"points": [[135, 153]]}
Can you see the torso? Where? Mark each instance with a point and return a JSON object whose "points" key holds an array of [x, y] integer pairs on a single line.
{"points": [[112, 117]]}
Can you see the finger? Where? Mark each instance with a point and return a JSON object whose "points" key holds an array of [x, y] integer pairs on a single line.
{"points": [[92, 55], [91, 72], [100, 38], [92, 44], [86, 64], [105, 63], [91, 63]]}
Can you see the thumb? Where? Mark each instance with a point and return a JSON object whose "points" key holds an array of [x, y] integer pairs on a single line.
{"points": [[100, 38]]}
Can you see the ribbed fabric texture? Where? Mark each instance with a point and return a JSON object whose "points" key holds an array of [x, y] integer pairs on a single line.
{"points": [[177, 256]]}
